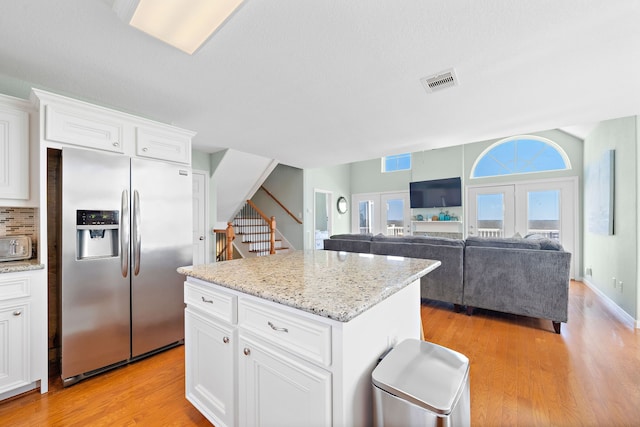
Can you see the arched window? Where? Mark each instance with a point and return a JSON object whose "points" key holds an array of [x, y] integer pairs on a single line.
{"points": [[520, 154]]}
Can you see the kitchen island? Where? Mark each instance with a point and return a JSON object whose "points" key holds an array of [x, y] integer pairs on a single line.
{"points": [[292, 339]]}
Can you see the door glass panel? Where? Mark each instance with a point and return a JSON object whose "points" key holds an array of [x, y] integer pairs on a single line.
{"points": [[490, 214], [395, 217], [543, 213], [365, 212]]}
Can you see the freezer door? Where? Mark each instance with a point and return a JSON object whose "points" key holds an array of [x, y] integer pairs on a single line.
{"points": [[95, 297], [161, 242]]}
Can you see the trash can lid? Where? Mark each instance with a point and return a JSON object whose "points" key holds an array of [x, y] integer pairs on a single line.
{"points": [[425, 374]]}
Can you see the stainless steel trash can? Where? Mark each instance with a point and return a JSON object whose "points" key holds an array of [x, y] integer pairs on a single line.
{"points": [[421, 384]]}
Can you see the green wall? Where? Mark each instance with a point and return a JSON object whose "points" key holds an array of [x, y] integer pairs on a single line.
{"points": [[616, 256], [286, 184]]}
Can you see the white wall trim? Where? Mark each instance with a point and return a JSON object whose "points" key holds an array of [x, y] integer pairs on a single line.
{"points": [[622, 315]]}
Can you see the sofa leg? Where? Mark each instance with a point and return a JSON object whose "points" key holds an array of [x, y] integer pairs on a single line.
{"points": [[469, 310], [556, 327], [457, 308]]}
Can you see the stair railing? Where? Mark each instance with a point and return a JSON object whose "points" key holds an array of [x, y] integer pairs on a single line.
{"points": [[254, 222], [224, 243], [275, 199]]}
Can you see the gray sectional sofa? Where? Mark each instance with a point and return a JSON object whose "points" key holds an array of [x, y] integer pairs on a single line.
{"points": [[523, 276]]}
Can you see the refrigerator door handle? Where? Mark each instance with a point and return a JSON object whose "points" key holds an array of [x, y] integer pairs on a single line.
{"points": [[124, 233], [136, 233]]}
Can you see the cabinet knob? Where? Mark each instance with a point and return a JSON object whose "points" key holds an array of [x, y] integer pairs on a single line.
{"points": [[247, 351], [116, 144], [145, 149], [17, 313], [225, 340]]}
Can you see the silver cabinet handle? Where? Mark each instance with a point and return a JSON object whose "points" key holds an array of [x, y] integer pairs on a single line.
{"points": [[145, 149], [246, 351], [275, 328], [116, 144], [17, 313], [225, 340], [208, 301]]}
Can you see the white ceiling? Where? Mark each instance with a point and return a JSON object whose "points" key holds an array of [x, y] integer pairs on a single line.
{"points": [[321, 82]]}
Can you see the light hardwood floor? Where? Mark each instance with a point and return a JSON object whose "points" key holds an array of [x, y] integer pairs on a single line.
{"points": [[522, 374]]}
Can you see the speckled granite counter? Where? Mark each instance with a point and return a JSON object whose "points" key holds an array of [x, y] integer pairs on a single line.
{"points": [[337, 285], [15, 266]]}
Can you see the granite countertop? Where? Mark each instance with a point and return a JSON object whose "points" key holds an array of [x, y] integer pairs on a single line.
{"points": [[337, 285], [14, 266]]}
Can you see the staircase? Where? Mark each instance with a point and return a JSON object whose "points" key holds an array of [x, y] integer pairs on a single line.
{"points": [[250, 234], [255, 237]]}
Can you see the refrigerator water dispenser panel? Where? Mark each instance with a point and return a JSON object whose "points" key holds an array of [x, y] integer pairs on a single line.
{"points": [[97, 234]]}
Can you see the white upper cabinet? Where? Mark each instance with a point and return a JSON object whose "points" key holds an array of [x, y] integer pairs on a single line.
{"points": [[14, 146], [163, 144], [80, 126], [69, 121]]}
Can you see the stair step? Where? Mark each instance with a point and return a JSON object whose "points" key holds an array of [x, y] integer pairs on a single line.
{"points": [[247, 221], [266, 253], [264, 245], [250, 238], [252, 229]]}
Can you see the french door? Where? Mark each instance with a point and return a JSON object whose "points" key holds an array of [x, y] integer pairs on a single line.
{"points": [[547, 207], [386, 213]]}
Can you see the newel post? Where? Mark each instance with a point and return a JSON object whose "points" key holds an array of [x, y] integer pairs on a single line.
{"points": [[272, 233], [230, 236]]}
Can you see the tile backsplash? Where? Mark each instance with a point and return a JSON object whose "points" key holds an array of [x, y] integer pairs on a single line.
{"points": [[20, 222]]}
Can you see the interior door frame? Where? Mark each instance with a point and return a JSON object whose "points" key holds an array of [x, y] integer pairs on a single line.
{"points": [[571, 182], [207, 236], [329, 205]]}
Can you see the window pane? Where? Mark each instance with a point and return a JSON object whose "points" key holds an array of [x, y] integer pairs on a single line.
{"points": [[543, 213], [519, 155], [395, 217], [490, 214], [396, 163], [365, 213]]}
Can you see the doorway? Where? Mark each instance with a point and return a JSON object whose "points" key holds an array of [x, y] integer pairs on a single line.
{"points": [[200, 214], [547, 207], [386, 213], [323, 201]]}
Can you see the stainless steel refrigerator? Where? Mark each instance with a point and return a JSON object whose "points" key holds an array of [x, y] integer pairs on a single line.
{"points": [[126, 227]]}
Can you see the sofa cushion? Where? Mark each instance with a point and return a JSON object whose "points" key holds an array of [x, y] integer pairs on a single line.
{"points": [[367, 236], [426, 240], [546, 243], [511, 243]]}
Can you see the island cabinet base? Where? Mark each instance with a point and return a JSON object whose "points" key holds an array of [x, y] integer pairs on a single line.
{"points": [[250, 361]]}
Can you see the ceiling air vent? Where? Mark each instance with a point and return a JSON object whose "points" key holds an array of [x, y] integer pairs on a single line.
{"points": [[439, 81]]}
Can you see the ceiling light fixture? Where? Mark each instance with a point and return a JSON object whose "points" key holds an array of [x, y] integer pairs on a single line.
{"points": [[184, 24]]}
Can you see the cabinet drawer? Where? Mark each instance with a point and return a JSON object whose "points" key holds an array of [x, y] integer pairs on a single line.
{"points": [[163, 145], [81, 127], [14, 287], [306, 338], [219, 304]]}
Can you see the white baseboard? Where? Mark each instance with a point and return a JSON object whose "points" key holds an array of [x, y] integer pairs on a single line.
{"points": [[622, 315]]}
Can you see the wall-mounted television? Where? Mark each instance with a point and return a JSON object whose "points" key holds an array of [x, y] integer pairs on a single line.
{"points": [[437, 193]]}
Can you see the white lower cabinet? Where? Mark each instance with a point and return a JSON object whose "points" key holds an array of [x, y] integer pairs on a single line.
{"points": [[210, 356], [14, 346], [253, 362], [277, 389]]}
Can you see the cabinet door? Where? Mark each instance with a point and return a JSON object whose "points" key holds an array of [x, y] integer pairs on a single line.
{"points": [[14, 163], [85, 128], [276, 389], [14, 346], [163, 145], [209, 357]]}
